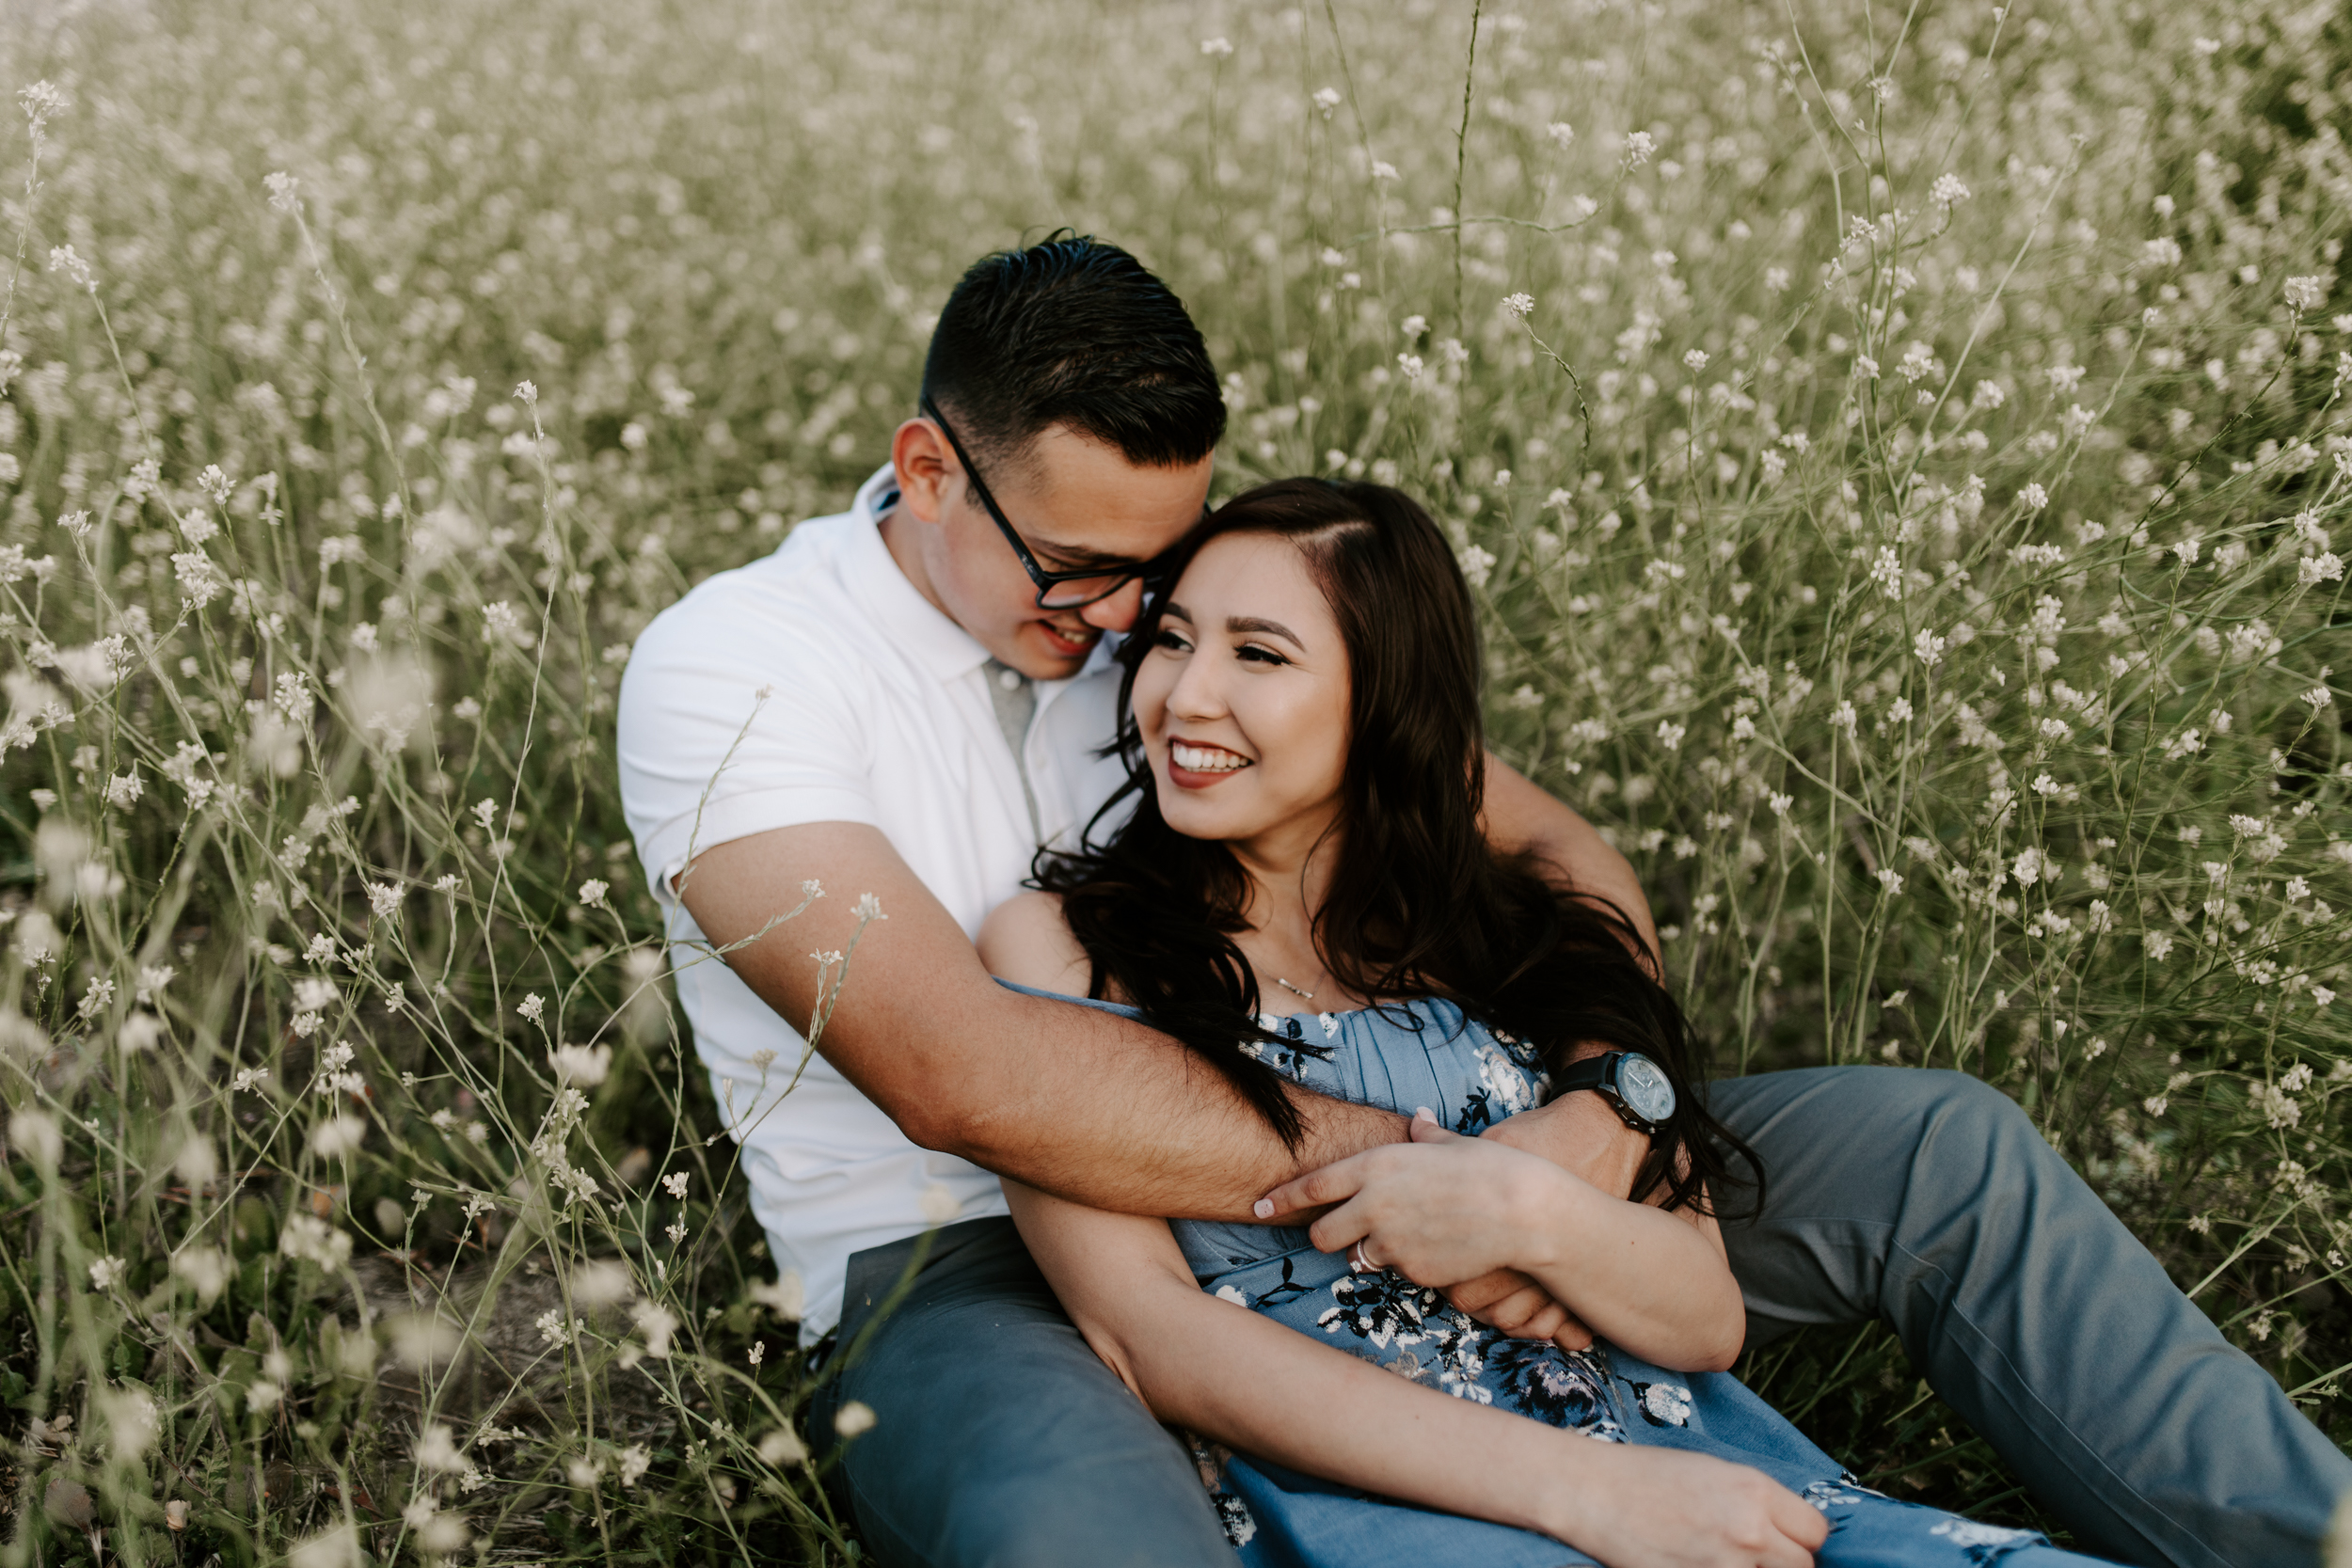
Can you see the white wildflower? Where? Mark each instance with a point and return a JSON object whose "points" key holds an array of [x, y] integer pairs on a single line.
{"points": [[64, 259], [635, 1461], [436, 1449], [580, 1064], [306, 1236], [205, 1269], [783, 1446], [36, 1135], [201, 581], [337, 1137], [1888, 572], [657, 1323]]}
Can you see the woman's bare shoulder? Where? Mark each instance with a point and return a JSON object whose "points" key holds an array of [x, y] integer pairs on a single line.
{"points": [[1024, 940]]}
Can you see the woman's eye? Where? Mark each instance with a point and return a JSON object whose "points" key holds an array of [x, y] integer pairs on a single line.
{"points": [[1256, 655], [1173, 640]]}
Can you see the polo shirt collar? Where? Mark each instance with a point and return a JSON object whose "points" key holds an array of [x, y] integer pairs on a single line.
{"points": [[936, 643]]}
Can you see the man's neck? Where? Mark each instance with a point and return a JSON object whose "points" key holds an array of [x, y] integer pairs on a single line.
{"points": [[902, 536]]}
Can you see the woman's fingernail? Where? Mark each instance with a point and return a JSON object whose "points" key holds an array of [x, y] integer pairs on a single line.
{"points": [[1263, 1207], [1423, 1113]]}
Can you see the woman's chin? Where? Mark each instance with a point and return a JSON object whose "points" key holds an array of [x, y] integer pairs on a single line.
{"points": [[1195, 817]]}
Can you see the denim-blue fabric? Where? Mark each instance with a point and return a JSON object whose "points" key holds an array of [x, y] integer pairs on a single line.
{"points": [[1000, 1440], [1428, 1054], [1924, 1200]]}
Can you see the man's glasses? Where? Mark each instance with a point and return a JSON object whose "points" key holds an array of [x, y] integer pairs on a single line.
{"points": [[1054, 590]]}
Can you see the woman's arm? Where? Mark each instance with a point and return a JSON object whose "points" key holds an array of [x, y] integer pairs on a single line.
{"points": [[1024, 940], [1264, 1388], [1445, 1208]]}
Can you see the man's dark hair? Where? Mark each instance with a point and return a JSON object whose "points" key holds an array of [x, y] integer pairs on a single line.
{"points": [[1075, 332]]}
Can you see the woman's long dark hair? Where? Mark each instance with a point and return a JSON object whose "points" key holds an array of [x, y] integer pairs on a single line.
{"points": [[1418, 903]]}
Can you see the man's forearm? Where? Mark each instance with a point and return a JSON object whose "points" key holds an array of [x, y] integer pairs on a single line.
{"points": [[1070, 1099], [1173, 1140]]}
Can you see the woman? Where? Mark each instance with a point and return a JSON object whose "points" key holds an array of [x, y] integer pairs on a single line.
{"points": [[1302, 735]]}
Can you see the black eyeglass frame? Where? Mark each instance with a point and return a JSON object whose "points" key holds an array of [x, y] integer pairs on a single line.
{"points": [[1147, 571]]}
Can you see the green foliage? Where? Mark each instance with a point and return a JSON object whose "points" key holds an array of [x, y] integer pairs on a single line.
{"points": [[1901, 457]]}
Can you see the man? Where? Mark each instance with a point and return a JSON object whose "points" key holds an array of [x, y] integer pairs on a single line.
{"points": [[907, 699]]}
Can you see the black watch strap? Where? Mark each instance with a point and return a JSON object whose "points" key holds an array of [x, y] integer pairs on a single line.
{"points": [[1590, 1073], [1600, 1073]]}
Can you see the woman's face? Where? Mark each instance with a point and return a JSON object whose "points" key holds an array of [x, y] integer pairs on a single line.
{"points": [[1243, 697]]}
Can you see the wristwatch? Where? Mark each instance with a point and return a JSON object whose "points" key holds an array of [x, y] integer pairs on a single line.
{"points": [[1636, 1087]]}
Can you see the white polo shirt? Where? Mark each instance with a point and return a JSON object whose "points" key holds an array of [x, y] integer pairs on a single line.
{"points": [[875, 710]]}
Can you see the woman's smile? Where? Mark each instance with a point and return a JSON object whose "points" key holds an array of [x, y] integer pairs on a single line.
{"points": [[1193, 765]]}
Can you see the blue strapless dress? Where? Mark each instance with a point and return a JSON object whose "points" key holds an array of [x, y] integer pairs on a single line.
{"points": [[1428, 1053]]}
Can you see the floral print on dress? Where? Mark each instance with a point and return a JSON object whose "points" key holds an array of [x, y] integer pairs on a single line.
{"points": [[1432, 1343], [1984, 1543], [1402, 1056], [1291, 1052], [1563, 1388], [1663, 1404], [1233, 1515]]}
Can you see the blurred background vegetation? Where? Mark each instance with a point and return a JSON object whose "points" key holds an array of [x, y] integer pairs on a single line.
{"points": [[1901, 454]]}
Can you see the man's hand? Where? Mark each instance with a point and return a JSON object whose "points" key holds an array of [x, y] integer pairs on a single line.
{"points": [[1580, 1134], [1507, 1300]]}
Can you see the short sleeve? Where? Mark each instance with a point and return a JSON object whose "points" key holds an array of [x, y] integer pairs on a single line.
{"points": [[731, 723]]}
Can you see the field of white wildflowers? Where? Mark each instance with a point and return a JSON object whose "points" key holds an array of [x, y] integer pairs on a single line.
{"points": [[1902, 456]]}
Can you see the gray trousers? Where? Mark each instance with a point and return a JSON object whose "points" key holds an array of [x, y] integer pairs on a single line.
{"points": [[1927, 1199]]}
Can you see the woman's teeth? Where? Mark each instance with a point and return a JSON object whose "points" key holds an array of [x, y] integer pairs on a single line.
{"points": [[1206, 759]]}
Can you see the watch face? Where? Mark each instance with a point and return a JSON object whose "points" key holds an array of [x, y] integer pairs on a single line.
{"points": [[1646, 1092]]}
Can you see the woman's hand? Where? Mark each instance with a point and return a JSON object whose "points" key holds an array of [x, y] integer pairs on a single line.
{"points": [[1636, 1507], [1439, 1210], [1443, 1208]]}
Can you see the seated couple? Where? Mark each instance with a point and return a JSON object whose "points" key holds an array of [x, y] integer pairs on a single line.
{"points": [[1322, 955]]}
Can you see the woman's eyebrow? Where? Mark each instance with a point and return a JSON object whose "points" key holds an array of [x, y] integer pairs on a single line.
{"points": [[1172, 608], [1254, 623]]}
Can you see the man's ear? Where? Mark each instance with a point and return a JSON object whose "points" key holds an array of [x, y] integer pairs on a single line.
{"points": [[926, 466]]}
